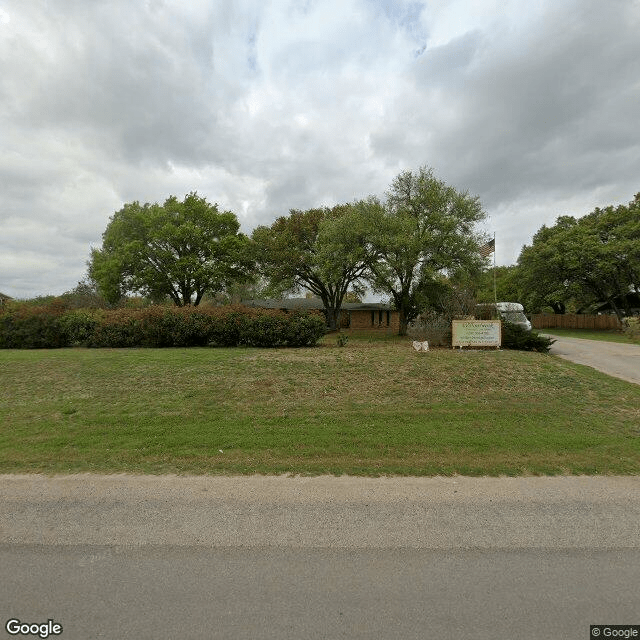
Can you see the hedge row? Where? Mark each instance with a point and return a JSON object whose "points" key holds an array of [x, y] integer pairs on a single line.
{"points": [[51, 327]]}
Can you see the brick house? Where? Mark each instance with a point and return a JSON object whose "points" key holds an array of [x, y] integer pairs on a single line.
{"points": [[353, 315]]}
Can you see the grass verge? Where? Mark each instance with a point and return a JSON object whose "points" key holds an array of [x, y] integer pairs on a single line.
{"points": [[373, 407], [589, 334]]}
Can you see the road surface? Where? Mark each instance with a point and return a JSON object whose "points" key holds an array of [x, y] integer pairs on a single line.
{"points": [[613, 358], [277, 557]]}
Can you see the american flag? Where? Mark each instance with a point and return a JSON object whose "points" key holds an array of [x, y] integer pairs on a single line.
{"points": [[487, 249]]}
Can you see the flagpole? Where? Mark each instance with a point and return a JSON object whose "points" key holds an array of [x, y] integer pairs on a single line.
{"points": [[495, 290]]}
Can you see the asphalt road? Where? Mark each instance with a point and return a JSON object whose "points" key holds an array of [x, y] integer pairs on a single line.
{"points": [[613, 358], [276, 557], [187, 592]]}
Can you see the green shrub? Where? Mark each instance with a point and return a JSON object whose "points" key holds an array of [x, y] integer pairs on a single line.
{"points": [[304, 329], [187, 327], [265, 330], [157, 326], [227, 326], [32, 327], [342, 340], [516, 337], [632, 328], [78, 325], [117, 328]]}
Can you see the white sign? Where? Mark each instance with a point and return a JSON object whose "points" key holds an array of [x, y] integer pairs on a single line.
{"points": [[476, 333]]}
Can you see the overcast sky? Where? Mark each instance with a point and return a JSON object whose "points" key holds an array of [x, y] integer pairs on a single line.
{"points": [[267, 105]]}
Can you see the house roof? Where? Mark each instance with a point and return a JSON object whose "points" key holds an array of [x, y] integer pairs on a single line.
{"points": [[4, 296], [314, 303]]}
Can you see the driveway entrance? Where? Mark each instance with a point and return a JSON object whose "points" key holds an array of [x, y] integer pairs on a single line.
{"points": [[613, 358]]}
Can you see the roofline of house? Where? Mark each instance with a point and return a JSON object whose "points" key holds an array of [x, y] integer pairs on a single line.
{"points": [[314, 303]]}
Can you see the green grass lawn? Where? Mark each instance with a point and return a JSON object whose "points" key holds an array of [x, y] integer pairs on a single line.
{"points": [[591, 334], [372, 407]]}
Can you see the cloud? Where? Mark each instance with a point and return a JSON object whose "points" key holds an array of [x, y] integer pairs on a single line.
{"points": [[267, 106], [540, 113]]}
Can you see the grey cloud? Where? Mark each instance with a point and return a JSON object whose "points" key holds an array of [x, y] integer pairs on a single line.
{"points": [[265, 107], [522, 118], [144, 91], [446, 65]]}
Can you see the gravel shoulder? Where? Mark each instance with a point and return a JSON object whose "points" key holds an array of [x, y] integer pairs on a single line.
{"points": [[321, 512]]}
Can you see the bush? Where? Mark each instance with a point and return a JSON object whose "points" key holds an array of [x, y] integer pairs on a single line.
{"points": [[632, 328], [305, 329], [115, 329], [187, 327], [342, 340], [150, 327], [516, 337], [432, 326], [32, 327], [171, 327], [227, 326], [265, 330], [78, 326], [157, 326]]}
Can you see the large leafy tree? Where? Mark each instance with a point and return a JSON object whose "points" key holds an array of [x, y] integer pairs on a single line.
{"points": [[542, 270], [179, 250], [323, 250], [618, 233], [588, 260], [507, 285], [425, 229]]}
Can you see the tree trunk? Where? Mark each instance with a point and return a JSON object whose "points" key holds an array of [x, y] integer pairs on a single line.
{"points": [[617, 310], [333, 316], [404, 323]]}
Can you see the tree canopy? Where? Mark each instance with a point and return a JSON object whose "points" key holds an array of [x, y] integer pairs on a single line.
{"points": [[588, 260], [424, 229], [323, 250], [179, 250], [507, 285]]}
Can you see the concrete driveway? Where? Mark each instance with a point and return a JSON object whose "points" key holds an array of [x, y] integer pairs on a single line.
{"points": [[613, 358]]}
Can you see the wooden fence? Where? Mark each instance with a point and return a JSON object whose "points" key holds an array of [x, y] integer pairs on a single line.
{"points": [[574, 321]]}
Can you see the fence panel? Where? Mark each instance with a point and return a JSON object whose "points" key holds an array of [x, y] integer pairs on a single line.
{"points": [[574, 321]]}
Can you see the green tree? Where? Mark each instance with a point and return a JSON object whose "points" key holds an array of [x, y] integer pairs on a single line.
{"points": [[542, 270], [618, 233], [507, 281], [323, 250], [84, 295], [179, 250], [593, 259], [353, 297], [425, 228]]}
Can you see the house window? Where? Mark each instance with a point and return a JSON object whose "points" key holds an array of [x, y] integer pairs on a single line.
{"points": [[388, 318], [373, 318]]}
